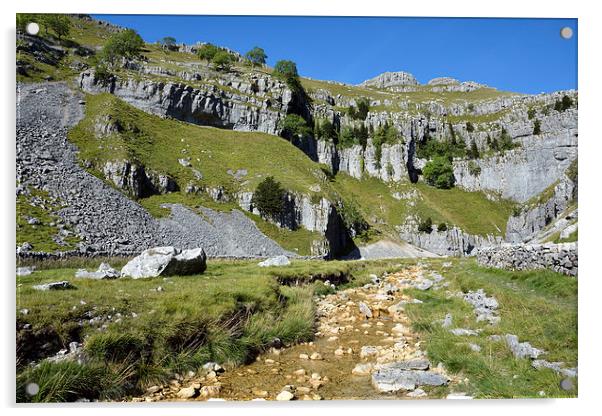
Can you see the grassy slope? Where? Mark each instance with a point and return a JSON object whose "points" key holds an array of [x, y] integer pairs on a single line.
{"points": [[158, 144], [471, 211], [538, 306], [235, 308]]}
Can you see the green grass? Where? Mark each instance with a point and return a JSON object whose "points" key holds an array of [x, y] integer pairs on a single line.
{"points": [[232, 311], [473, 212], [538, 306], [228, 314]]}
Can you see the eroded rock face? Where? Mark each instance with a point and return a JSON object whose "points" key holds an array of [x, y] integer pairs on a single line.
{"points": [[257, 106], [529, 224], [166, 261], [451, 242], [136, 180]]}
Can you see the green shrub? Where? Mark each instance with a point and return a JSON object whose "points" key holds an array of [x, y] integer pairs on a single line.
{"points": [[207, 51], [426, 226], [168, 43], [469, 127], [222, 61], [268, 198], [352, 217], [531, 113], [567, 102], [347, 137], [361, 109], [536, 127], [439, 173], [442, 227], [324, 129], [473, 151], [473, 168], [292, 126], [102, 74]]}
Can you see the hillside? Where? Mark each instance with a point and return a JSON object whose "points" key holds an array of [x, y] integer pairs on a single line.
{"points": [[170, 127]]}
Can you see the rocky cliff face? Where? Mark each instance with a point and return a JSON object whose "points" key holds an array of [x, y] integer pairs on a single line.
{"points": [[256, 104], [321, 216], [532, 220], [526, 171], [451, 242]]}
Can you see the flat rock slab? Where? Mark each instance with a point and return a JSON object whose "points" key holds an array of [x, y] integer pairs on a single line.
{"points": [[62, 285], [275, 261], [105, 271], [391, 379]]}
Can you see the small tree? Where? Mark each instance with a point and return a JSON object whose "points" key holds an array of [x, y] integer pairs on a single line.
{"points": [[268, 198], [222, 61], [439, 173], [426, 226], [536, 127], [567, 102], [125, 44], [256, 56], [168, 43], [473, 152], [207, 51], [293, 125], [59, 23]]}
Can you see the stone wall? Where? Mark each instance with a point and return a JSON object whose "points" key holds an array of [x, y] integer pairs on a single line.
{"points": [[561, 258]]}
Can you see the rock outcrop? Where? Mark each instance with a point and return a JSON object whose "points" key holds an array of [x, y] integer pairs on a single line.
{"points": [[390, 79], [561, 258], [451, 242], [255, 104]]}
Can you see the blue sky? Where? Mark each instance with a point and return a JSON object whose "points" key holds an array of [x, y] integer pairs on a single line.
{"points": [[521, 55]]}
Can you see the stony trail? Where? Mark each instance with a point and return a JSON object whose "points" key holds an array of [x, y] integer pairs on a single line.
{"points": [[364, 348]]}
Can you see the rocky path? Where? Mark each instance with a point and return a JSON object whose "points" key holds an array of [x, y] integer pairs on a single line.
{"points": [[364, 349]]}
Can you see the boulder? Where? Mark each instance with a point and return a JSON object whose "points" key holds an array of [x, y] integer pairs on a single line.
{"points": [[166, 261], [105, 271], [391, 378], [275, 261]]}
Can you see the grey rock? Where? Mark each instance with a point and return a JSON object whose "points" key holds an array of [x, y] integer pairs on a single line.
{"points": [[463, 332], [25, 271], [275, 261], [105, 271], [62, 285], [521, 349], [165, 261], [365, 310], [391, 379]]}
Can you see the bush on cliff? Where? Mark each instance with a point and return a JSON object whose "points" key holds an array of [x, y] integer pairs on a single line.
{"points": [[269, 198], [293, 125], [439, 173], [256, 56], [426, 226]]}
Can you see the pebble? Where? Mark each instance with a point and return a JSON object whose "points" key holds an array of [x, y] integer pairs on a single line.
{"points": [[284, 396]]}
